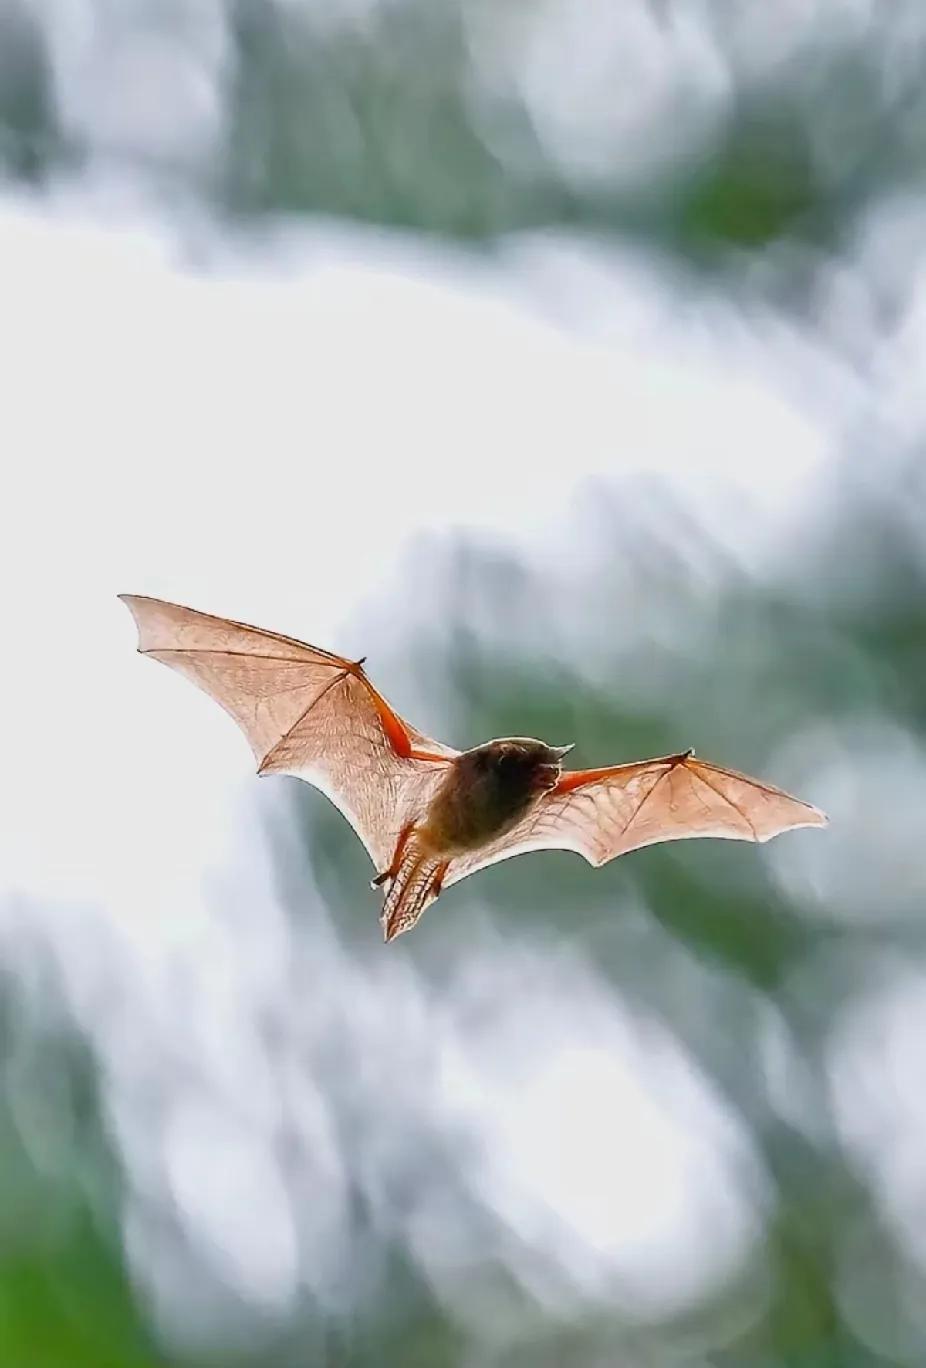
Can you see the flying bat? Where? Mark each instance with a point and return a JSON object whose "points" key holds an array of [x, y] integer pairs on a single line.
{"points": [[430, 815]]}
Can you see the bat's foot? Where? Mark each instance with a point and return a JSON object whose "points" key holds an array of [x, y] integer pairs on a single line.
{"points": [[438, 882], [393, 869]]}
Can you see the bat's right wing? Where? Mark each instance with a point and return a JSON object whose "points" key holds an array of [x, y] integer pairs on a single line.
{"points": [[305, 712], [603, 813]]}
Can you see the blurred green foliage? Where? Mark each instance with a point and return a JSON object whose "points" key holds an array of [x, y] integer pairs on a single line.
{"points": [[65, 1297], [31, 144], [379, 118]]}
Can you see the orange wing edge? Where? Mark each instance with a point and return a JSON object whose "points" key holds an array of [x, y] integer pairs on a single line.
{"points": [[571, 780]]}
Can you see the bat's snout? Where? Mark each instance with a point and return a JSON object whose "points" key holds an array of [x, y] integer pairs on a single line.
{"points": [[548, 773]]}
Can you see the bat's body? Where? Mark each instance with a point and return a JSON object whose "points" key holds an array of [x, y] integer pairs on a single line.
{"points": [[486, 791], [427, 814]]}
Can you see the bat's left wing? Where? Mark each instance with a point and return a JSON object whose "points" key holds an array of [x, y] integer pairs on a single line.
{"points": [[305, 712], [603, 813]]}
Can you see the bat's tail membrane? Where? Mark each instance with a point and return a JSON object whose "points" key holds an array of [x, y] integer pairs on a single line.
{"points": [[415, 885]]}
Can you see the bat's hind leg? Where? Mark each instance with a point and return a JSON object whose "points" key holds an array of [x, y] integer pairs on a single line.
{"points": [[393, 869]]}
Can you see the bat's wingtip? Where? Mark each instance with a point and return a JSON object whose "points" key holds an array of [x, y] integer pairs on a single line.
{"points": [[815, 818], [130, 600]]}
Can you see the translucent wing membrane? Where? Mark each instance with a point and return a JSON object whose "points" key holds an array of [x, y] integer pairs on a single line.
{"points": [[601, 814], [304, 712]]}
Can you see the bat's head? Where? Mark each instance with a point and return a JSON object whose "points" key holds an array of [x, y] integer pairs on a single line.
{"points": [[518, 764]]}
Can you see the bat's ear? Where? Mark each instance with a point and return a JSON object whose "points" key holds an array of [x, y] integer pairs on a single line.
{"points": [[562, 751]]}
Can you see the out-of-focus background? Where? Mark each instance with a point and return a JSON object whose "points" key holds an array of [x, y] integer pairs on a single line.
{"points": [[569, 361]]}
